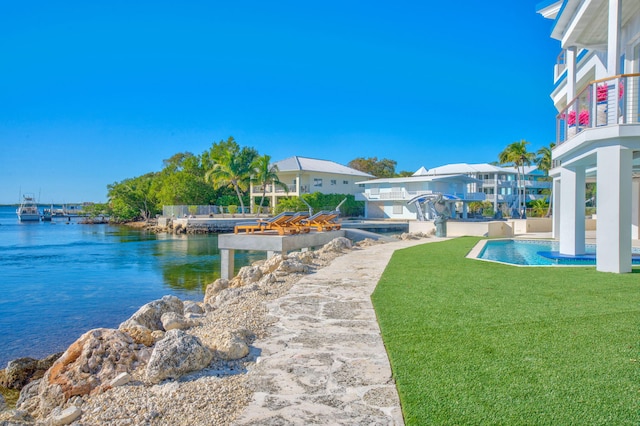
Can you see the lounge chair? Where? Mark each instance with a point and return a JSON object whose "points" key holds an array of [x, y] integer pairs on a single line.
{"points": [[280, 223], [275, 223], [297, 221], [324, 221]]}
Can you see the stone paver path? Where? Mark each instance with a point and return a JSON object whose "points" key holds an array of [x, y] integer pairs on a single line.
{"points": [[324, 362]]}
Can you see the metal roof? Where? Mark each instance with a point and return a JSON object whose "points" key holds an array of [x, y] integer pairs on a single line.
{"points": [[464, 168], [460, 178], [297, 163]]}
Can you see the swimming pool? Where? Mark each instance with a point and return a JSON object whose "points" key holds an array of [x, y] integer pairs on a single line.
{"points": [[537, 253]]}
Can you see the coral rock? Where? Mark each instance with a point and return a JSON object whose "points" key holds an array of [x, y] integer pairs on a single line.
{"points": [[177, 354], [150, 315]]}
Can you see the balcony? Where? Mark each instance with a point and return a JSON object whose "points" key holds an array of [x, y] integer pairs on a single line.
{"points": [[274, 189], [606, 102], [404, 195]]}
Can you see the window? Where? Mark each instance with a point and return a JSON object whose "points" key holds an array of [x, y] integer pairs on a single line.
{"points": [[317, 182], [345, 182], [397, 209], [333, 182]]}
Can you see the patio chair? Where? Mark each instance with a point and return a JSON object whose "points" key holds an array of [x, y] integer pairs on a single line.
{"points": [[280, 223], [298, 220], [324, 220], [262, 225]]}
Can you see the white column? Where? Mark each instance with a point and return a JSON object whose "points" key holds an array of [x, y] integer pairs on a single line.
{"points": [[613, 41], [635, 209], [555, 208], [613, 253], [495, 192], [571, 73], [572, 217]]}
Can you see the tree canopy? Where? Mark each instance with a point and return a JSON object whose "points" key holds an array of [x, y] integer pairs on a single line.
{"points": [[384, 168]]}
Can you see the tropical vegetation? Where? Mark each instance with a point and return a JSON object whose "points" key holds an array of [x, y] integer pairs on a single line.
{"points": [[383, 168], [516, 155], [219, 176]]}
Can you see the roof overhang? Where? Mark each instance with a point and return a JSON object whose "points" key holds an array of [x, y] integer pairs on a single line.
{"points": [[549, 9], [422, 178], [585, 23]]}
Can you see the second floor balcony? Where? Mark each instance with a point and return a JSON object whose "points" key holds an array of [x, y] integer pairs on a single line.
{"points": [[606, 102], [375, 194]]}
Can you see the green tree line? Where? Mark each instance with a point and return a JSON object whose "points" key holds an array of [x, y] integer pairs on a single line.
{"points": [[219, 176]]}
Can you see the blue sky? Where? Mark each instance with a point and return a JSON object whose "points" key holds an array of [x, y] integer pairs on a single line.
{"points": [[94, 92]]}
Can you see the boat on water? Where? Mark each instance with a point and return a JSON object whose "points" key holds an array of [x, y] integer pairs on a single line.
{"points": [[28, 210], [47, 214]]}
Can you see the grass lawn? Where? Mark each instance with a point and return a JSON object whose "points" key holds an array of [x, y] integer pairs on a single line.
{"points": [[474, 342]]}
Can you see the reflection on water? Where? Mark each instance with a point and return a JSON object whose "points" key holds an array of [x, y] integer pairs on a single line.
{"points": [[60, 279]]}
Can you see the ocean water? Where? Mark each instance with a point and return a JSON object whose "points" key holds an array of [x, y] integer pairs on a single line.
{"points": [[60, 279]]}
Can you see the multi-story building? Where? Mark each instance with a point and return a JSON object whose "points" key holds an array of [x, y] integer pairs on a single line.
{"points": [[404, 197], [302, 175], [597, 95], [459, 184], [499, 184]]}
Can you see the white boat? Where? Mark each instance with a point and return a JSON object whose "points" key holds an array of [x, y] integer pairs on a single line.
{"points": [[28, 210]]}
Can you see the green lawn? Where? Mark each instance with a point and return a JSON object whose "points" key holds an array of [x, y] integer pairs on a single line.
{"points": [[474, 342]]}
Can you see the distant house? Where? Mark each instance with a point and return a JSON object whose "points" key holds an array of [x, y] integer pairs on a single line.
{"points": [[303, 175], [401, 198], [499, 184]]}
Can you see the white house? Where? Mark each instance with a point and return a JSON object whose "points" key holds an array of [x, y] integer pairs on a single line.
{"points": [[394, 198], [597, 96], [499, 184], [303, 175]]}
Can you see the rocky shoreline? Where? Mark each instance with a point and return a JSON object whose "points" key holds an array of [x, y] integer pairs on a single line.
{"points": [[172, 362]]}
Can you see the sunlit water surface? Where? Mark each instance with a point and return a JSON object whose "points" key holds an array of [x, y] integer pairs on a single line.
{"points": [[60, 279]]}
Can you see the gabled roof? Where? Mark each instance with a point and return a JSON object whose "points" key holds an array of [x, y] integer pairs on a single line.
{"points": [[296, 163], [464, 168], [459, 178]]}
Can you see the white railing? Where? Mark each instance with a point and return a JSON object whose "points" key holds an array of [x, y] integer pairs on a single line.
{"points": [[605, 102], [270, 189]]}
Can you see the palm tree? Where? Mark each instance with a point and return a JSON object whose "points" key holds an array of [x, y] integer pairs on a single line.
{"points": [[231, 169], [544, 162], [516, 154], [265, 173]]}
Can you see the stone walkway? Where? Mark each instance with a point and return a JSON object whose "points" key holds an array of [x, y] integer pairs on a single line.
{"points": [[324, 362]]}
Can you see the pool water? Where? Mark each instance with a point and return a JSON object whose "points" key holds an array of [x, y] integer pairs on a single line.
{"points": [[538, 253]]}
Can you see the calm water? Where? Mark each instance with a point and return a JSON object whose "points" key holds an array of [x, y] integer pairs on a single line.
{"points": [[536, 252], [519, 252], [60, 279]]}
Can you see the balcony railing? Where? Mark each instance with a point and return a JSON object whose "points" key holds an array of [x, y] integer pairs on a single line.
{"points": [[610, 101], [270, 189]]}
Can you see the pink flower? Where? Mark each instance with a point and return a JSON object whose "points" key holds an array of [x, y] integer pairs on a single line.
{"points": [[602, 93], [583, 117]]}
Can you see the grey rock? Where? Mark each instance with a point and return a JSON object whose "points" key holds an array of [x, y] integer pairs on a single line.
{"points": [[150, 315], [173, 320], [214, 289], [176, 355], [64, 417], [191, 307], [21, 371], [231, 345], [120, 380]]}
